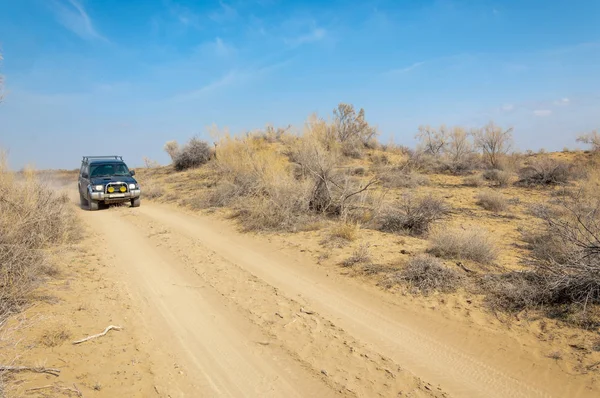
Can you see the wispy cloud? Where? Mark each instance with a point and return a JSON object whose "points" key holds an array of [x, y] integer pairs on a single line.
{"points": [[73, 16], [231, 78], [406, 69], [315, 34], [218, 47], [562, 102], [184, 15], [542, 112], [225, 13]]}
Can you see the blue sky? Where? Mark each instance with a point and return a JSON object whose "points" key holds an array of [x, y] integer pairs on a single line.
{"points": [[112, 76]]}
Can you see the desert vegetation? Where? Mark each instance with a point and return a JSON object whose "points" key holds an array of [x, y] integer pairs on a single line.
{"points": [[36, 222], [34, 218], [454, 192]]}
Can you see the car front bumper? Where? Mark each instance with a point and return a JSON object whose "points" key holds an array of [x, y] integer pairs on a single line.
{"points": [[117, 196]]}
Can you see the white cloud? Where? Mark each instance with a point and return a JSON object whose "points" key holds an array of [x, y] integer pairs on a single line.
{"points": [[406, 69], [223, 49], [314, 35], [562, 102], [225, 13], [184, 15], [542, 112], [72, 15], [508, 107], [231, 78]]}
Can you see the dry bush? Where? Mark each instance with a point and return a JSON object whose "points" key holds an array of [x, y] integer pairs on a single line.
{"points": [[150, 164], [172, 149], [565, 254], [427, 274], [433, 141], [352, 130], [513, 291], [412, 215], [153, 190], [494, 143], [396, 177], [54, 335], [283, 208], [361, 255], [592, 139], [492, 201], [224, 194], [545, 171], [318, 161], [193, 154], [474, 244], [474, 181], [346, 231], [497, 177], [34, 217], [258, 182]]}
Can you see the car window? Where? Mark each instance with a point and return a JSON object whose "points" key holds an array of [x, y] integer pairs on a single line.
{"points": [[109, 169]]}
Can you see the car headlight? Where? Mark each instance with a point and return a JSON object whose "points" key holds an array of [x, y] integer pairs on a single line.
{"points": [[98, 187], [132, 186]]}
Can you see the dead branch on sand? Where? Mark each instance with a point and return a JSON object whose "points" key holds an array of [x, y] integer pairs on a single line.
{"points": [[111, 327]]}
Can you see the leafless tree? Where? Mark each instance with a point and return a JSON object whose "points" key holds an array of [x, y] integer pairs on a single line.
{"points": [[592, 139], [351, 129], [172, 149], [459, 146], [494, 142], [432, 140]]}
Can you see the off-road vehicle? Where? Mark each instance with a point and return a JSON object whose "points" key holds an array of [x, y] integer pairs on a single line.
{"points": [[107, 179]]}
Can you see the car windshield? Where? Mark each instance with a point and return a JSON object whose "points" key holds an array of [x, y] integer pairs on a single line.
{"points": [[109, 169]]}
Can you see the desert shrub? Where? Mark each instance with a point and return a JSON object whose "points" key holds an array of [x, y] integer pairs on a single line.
{"points": [[153, 190], [223, 195], [352, 131], [361, 255], [592, 139], [150, 164], [492, 201], [474, 181], [474, 244], [545, 171], [193, 154], [412, 215], [514, 291], [318, 161], [34, 217], [259, 183], [565, 253], [172, 149], [494, 143], [433, 141], [497, 177], [398, 178], [346, 231], [427, 274], [282, 206], [460, 166]]}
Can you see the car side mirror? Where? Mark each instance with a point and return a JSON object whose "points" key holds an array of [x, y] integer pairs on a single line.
{"points": [[84, 175], [132, 173]]}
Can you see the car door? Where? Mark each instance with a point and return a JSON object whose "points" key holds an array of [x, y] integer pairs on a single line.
{"points": [[83, 179]]}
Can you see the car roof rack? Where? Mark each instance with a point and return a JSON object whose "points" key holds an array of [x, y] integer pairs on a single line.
{"points": [[116, 157]]}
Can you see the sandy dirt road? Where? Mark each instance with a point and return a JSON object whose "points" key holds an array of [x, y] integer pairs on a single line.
{"points": [[243, 317]]}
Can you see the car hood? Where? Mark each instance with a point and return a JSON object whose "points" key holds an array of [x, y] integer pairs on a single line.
{"points": [[106, 180]]}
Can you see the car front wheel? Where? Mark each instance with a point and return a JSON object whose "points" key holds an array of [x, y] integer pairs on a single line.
{"points": [[82, 201], [93, 205], [135, 202]]}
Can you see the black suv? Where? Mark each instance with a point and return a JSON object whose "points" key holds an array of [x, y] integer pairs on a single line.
{"points": [[107, 179]]}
